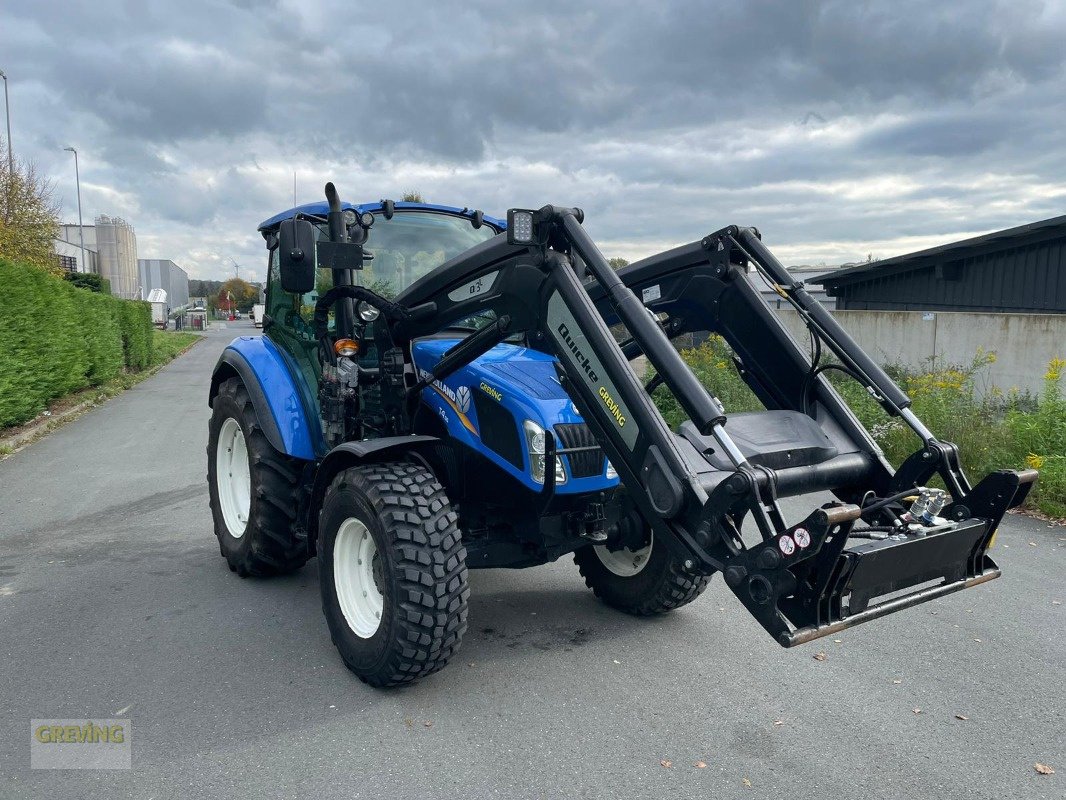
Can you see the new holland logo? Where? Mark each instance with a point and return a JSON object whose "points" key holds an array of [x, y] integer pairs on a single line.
{"points": [[462, 398], [581, 358], [458, 399]]}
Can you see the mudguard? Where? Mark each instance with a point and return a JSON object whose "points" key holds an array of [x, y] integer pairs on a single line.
{"points": [[350, 454], [273, 391]]}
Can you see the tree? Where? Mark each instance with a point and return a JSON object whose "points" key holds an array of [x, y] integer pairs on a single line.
{"points": [[29, 216], [413, 196], [90, 281], [618, 263], [243, 294]]}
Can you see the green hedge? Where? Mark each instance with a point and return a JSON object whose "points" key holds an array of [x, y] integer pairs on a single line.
{"points": [[56, 338]]}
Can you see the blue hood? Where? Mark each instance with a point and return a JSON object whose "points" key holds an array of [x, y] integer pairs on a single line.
{"points": [[517, 379]]}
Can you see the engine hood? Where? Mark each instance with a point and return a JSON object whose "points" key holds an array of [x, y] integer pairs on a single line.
{"points": [[485, 404]]}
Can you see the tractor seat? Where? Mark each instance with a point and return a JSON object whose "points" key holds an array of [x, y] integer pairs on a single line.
{"points": [[772, 439]]}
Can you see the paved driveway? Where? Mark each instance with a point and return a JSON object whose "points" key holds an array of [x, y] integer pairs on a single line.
{"points": [[114, 602]]}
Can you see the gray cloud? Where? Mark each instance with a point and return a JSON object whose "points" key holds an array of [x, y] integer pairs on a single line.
{"points": [[838, 128]]}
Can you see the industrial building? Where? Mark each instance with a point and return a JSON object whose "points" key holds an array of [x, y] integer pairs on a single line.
{"points": [[1016, 270], [161, 273], [112, 244], [803, 274], [70, 255]]}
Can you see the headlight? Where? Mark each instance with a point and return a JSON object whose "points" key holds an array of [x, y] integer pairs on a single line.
{"points": [[366, 312], [366, 219], [611, 471], [350, 217], [535, 447]]}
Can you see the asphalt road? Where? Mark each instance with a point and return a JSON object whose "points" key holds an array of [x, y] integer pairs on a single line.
{"points": [[113, 598]]}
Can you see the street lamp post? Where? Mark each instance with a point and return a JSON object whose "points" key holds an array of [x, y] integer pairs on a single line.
{"points": [[81, 228], [7, 112]]}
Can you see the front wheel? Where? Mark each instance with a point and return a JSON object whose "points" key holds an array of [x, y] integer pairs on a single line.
{"points": [[252, 489], [392, 570], [648, 580]]}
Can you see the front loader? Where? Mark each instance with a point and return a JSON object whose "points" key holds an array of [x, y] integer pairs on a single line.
{"points": [[890, 541], [438, 390]]}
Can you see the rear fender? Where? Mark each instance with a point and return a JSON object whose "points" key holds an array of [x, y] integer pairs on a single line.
{"points": [[353, 454], [272, 388]]}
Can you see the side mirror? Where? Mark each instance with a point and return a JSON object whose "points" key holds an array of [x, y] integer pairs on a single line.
{"points": [[296, 255]]}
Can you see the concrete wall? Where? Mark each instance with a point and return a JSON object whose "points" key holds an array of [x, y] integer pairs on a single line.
{"points": [[1023, 343]]}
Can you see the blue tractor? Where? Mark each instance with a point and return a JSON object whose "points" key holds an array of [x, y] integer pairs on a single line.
{"points": [[438, 390]]}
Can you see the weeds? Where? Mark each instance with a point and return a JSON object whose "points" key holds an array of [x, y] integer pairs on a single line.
{"points": [[993, 429]]}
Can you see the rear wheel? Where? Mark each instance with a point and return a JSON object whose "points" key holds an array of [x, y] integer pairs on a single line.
{"points": [[392, 570], [252, 488], [645, 581]]}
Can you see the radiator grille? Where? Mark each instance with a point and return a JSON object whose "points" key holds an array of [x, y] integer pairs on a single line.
{"points": [[585, 463], [498, 428]]}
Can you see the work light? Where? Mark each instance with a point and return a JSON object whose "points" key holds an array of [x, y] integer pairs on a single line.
{"points": [[367, 312], [519, 226]]}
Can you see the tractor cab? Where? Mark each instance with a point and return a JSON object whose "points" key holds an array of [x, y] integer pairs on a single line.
{"points": [[496, 408]]}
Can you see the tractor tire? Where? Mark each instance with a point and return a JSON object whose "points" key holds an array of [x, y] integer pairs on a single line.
{"points": [[253, 489], [643, 582], [392, 570]]}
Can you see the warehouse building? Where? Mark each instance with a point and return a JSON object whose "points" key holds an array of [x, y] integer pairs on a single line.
{"points": [[1020, 270], [161, 273], [803, 274]]}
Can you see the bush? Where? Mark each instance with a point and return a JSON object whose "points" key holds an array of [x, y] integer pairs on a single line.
{"points": [[56, 338], [137, 330], [994, 430]]}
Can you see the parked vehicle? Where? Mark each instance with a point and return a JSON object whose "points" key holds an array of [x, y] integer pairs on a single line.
{"points": [[157, 299], [455, 399], [257, 314]]}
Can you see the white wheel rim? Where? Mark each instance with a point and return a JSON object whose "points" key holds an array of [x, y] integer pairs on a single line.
{"points": [[625, 563], [358, 594], [232, 477]]}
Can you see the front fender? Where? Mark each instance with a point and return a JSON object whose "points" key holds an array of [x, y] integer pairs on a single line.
{"points": [[351, 454], [272, 388]]}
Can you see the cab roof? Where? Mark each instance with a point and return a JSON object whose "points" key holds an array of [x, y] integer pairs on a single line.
{"points": [[321, 208]]}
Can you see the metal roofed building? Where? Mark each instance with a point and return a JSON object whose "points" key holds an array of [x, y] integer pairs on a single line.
{"points": [[1020, 270], [161, 273]]}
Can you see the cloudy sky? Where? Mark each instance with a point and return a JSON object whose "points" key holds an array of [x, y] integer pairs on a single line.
{"points": [[837, 128]]}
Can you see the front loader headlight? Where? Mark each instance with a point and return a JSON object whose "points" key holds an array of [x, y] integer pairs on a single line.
{"points": [[367, 312], [535, 448]]}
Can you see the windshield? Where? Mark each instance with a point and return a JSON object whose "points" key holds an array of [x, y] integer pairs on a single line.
{"points": [[412, 244]]}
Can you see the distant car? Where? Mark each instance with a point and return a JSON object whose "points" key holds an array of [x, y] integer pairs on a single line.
{"points": [[237, 315]]}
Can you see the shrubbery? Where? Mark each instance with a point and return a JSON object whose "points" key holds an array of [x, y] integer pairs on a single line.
{"points": [[56, 338], [993, 429]]}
